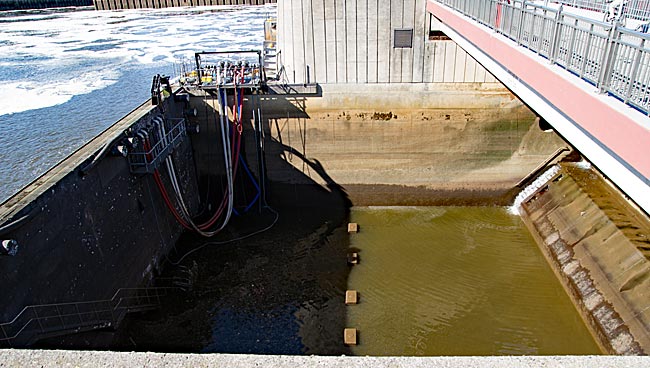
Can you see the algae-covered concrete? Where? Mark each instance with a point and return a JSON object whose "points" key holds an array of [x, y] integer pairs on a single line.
{"points": [[408, 144], [597, 243]]}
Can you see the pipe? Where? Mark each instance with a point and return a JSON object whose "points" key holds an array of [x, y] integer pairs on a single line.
{"points": [[105, 149], [184, 217]]}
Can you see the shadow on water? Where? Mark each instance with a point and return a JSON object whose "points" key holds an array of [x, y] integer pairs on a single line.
{"points": [[279, 292]]}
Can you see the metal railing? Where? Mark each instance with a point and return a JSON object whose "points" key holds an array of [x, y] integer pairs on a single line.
{"points": [[614, 59], [36, 322], [634, 9], [142, 161]]}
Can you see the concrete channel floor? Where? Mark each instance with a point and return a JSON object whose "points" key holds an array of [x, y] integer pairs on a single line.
{"points": [[83, 359]]}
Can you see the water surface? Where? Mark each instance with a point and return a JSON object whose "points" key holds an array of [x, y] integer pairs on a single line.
{"points": [[67, 74], [457, 281]]}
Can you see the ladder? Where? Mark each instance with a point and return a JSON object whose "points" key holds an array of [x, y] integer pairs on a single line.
{"points": [[270, 58]]}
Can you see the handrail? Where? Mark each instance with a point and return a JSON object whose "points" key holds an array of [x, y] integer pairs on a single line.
{"points": [[59, 318], [635, 9], [614, 59]]}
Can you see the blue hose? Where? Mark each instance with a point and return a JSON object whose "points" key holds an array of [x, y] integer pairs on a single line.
{"points": [[257, 187]]}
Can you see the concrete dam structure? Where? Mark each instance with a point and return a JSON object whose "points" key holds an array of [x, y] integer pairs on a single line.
{"points": [[355, 104], [140, 4]]}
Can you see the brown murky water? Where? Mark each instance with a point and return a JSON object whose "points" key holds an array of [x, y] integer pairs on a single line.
{"points": [[457, 281]]}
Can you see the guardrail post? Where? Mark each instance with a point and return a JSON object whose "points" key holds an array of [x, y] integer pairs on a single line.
{"points": [[522, 13], [635, 70], [585, 55], [559, 19], [540, 42], [511, 8], [607, 60], [572, 40], [38, 319], [4, 334]]}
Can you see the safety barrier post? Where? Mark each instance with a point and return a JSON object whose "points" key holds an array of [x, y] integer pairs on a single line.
{"points": [[559, 20], [572, 39], [635, 70], [607, 60], [521, 22], [586, 50]]}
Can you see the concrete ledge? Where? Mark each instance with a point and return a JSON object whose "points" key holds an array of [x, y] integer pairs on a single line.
{"points": [[81, 359]]}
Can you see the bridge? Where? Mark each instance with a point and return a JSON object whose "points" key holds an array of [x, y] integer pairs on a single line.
{"points": [[589, 79]]}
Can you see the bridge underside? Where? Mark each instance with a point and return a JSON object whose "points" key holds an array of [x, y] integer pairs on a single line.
{"points": [[614, 137]]}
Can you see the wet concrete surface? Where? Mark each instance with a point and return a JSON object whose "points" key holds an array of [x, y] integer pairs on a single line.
{"points": [[279, 292]]}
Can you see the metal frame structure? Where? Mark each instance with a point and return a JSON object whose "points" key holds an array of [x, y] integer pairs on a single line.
{"points": [[635, 9], [614, 59], [35, 322], [201, 68], [142, 162]]}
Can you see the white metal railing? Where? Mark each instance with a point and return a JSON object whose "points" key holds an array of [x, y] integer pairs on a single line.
{"points": [[634, 9], [613, 58]]}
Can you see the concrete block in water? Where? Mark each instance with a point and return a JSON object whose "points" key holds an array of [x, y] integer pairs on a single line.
{"points": [[353, 227], [351, 297], [350, 336]]}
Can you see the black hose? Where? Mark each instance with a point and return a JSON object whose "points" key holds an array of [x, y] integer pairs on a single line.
{"points": [[13, 225], [105, 149]]}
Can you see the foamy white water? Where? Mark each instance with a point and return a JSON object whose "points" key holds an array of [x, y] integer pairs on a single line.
{"points": [[52, 46], [67, 74], [533, 187]]}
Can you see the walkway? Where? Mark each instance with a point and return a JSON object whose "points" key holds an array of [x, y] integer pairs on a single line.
{"points": [[590, 80], [98, 359]]}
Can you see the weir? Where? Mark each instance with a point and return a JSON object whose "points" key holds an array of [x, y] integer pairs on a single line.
{"points": [[140, 4], [232, 190]]}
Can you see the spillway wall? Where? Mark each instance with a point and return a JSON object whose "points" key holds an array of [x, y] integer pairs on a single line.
{"points": [[39, 4], [84, 232], [406, 144], [137, 4], [598, 244]]}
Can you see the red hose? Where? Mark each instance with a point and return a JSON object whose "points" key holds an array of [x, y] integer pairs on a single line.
{"points": [[235, 154], [236, 149], [163, 191]]}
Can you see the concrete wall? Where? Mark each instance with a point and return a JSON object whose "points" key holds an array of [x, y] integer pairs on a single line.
{"points": [[135, 4], [40, 4], [407, 144], [611, 135], [88, 235], [598, 245], [351, 41]]}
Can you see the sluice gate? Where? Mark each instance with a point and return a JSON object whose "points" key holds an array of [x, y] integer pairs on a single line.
{"points": [[139, 4]]}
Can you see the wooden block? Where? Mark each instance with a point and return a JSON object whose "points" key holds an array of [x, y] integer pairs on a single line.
{"points": [[350, 336], [353, 258], [353, 227], [351, 297]]}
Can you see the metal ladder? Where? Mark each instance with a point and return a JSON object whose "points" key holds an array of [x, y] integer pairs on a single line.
{"points": [[270, 58], [36, 322]]}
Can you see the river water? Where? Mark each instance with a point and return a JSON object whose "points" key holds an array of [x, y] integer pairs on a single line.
{"points": [[432, 281], [67, 74], [457, 281]]}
